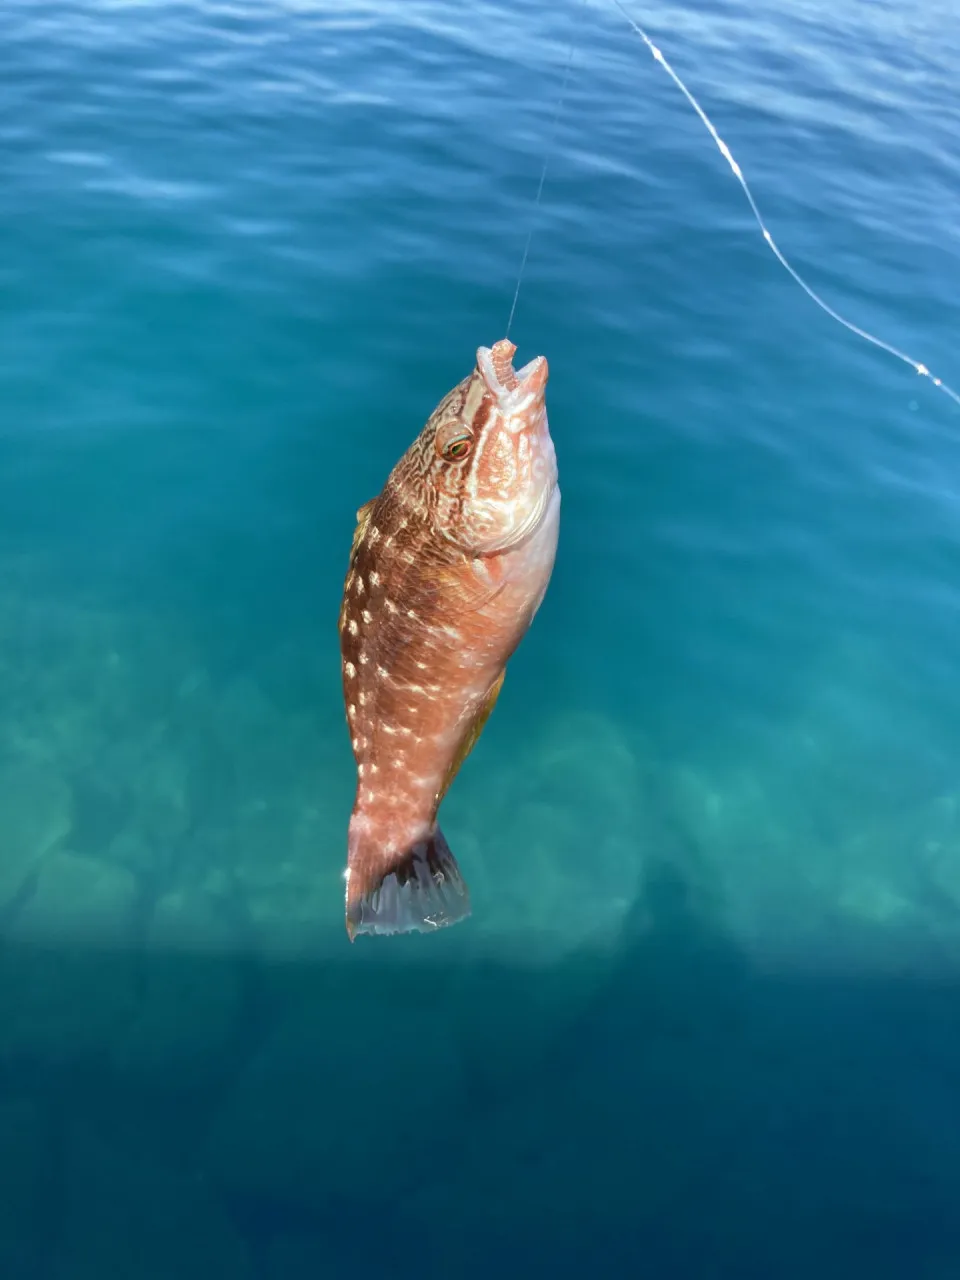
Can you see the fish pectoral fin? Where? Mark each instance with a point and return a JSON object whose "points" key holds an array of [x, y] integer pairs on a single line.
{"points": [[412, 890], [472, 736], [473, 583]]}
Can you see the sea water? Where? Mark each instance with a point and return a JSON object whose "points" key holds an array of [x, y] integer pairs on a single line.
{"points": [[702, 1021]]}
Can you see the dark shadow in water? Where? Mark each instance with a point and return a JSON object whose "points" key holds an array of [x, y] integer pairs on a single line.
{"points": [[675, 1113]]}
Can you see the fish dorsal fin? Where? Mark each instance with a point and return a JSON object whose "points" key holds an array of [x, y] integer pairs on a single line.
{"points": [[472, 736], [363, 519]]}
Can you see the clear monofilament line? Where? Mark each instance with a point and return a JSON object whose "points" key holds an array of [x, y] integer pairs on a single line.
{"points": [[738, 174], [543, 175]]}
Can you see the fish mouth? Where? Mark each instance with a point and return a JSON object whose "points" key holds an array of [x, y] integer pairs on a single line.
{"points": [[517, 391]]}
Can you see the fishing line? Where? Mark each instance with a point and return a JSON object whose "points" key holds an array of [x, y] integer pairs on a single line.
{"points": [[543, 174], [738, 174]]}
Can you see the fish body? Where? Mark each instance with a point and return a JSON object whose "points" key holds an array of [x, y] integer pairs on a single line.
{"points": [[448, 567]]}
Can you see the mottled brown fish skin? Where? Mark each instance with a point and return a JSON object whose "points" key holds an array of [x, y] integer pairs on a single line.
{"points": [[449, 565]]}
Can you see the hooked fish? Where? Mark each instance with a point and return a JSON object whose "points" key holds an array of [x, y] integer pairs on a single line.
{"points": [[448, 566]]}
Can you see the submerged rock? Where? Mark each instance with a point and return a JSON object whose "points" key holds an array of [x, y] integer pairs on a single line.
{"points": [[79, 900], [288, 863], [875, 900], [137, 788], [162, 805], [939, 849], [36, 805], [561, 838], [772, 871]]}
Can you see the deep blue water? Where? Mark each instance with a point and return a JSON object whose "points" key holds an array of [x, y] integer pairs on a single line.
{"points": [[702, 1022]]}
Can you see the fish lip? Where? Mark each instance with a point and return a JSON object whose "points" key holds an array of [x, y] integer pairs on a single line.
{"points": [[517, 391]]}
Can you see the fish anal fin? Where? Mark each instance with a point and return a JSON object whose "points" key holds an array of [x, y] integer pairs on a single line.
{"points": [[472, 736]]}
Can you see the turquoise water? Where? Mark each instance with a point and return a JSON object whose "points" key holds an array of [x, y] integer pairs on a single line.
{"points": [[702, 1022]]}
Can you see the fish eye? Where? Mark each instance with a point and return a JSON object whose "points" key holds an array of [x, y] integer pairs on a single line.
{"points": [[455, 444]]}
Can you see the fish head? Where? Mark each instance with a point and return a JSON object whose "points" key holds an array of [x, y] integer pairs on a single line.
{"points": [[492, 468]]}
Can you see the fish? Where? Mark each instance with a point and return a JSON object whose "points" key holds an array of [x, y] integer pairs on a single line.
{"points": [[448, 566]]}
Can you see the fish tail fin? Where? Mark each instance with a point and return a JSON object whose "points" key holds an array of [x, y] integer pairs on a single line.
{"points": [[415, 890]]}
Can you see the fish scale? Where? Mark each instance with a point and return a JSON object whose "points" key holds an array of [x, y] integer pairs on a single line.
{"points": [[448, 566]]}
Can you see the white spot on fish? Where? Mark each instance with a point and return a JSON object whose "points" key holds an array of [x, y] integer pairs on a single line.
{"points": [[374, 534], [371, 796], [363, 658], [351, 711], [411, 614], [362, 697], [390, 606], [360, 770], [350, 669], [374, 768], [388, 728], [374, 578], [352, 625], [383, 673], [366, 615], [360, 586]]}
